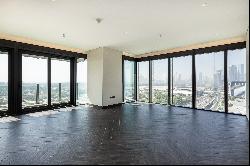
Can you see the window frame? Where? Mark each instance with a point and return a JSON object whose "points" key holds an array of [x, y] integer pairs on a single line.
{"points": [[8, 51], [15, 51], [225, 48]]}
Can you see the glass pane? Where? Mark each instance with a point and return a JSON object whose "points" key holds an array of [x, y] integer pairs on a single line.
{"points": [[3, 81], [210, 81], [129, 80], [237, 81], [34, 81], [143, 81], [160, 81], [182, 81], [81, 86], [60, 81]]}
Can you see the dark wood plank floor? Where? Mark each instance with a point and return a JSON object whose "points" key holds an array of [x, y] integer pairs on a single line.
{"points": [[127, 134]]}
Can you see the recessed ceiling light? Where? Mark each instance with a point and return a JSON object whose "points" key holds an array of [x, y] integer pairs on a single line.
{"points": [[98, 20], [204, 4], [53, 0]]}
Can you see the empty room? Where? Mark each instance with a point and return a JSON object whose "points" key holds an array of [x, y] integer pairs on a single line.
{"points": [[124, 82]]}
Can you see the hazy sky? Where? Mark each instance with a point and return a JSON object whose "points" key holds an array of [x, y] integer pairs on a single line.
{"points": [[60, 71], [208, 64], [35, 70], [160, 71], [143, 68], [205, 63], [183, 66], [129, 72], [82, 72]]}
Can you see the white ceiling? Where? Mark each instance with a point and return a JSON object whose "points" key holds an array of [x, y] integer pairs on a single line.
{"points": [[133, 26]]}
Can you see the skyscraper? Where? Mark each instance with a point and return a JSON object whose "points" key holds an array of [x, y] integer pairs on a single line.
{"points": [[233, 76]]}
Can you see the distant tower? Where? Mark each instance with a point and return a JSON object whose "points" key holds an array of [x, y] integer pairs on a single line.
{"points": [[242, 72], [233, 74]]}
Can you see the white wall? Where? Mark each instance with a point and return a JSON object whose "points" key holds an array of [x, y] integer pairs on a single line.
{"points": [[247, 95], [104, 76], [95, 76], [112, 76]]}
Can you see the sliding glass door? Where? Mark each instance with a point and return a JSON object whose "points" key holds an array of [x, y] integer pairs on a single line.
{"points": [[236, 69], [210, 81], [160, 81], [3, 81], [182, 81], [60, 81], [143, 81], [34, 80]]}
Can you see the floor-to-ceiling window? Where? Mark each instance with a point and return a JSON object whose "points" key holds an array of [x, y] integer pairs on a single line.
{"points": [[60, 81], [182, 81], [143, 81], [236, 69], [34, 81], [129, 80], [210, 81], [160, 81], [3, 81], [81, 85]]}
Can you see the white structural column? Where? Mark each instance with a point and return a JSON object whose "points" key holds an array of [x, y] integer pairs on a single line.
{"points": [[104, 76]]}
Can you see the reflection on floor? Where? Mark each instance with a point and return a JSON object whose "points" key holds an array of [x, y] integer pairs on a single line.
{"points": [[127, 134]]}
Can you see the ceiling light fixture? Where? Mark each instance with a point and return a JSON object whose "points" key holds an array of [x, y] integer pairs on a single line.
{"points": [[98, 20], [63, 35], [204, 4]]}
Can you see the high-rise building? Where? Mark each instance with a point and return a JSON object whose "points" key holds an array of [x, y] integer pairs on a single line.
{"points": [[242, 72], [233, 73]]}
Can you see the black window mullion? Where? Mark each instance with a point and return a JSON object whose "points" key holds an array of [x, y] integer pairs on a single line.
{"points": [[193, 82], [11, 102], [135, 81], [150, 81], [225, 81], [172, 80], [18, 80], [49, 82], [123, 97], [73, 74], [169, 81]]}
